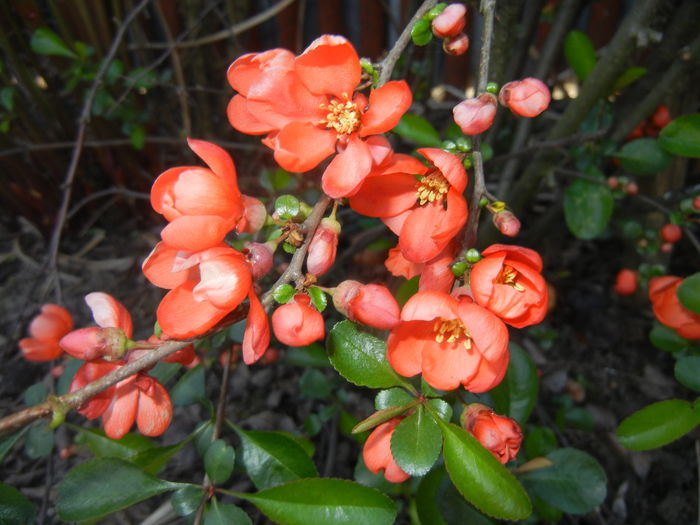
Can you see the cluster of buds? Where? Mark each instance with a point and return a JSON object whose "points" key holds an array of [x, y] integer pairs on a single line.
{"points": [[449, 25], [652, 126]]}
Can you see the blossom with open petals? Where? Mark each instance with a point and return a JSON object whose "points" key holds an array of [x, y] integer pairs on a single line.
{"points": [[435, 274], [45, 330], [500, 435], [669, 310], [451, 342], [306, 107], [296, 323], [508, 282], [426, 213], [377, 455]]}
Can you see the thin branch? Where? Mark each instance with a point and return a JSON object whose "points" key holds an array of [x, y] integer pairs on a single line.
{"points": [[387, 65], [234, 30], [78, 148]]}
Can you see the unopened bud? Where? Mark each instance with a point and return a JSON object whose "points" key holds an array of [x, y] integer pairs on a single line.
{"points": [[661, 117], [259, 258], [500, 435], [323, 247], [613, 183], [472, 255], [456, 45], [507, 223], [671, 233], [450, 22], [631, 188], [626, 282], [95, 342], [370, 304], [527, 97], [475, 115]]}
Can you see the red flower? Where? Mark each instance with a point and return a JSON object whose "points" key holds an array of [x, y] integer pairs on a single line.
{"points": [[500, 435], [508, 282], [671, 232], [425, 214], [527, 97], [377, 452], [305, 106], [456, 45], [450, 22], [507, 223], [450, 342], [668, 309], [296, 323], [322, 248], [370, 304], [202, 204], [475, 115], [626, 282], [45, 330], [89, 372]]}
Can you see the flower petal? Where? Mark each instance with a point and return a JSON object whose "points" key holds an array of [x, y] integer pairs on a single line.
{"points": [[301, 146], [449, 165], [39, 350], [445, 365], [329, 65], [348, 169], [195, 233], [119, 417], [385, 195], [155, 410], [248, 71], [429, 305], [161, 191], [224, 281], [405, 346], [159, 268], [517, 253], [181, 316], [387, 105], [217, 159], [256, 338], [108, 312], [244, 120]]}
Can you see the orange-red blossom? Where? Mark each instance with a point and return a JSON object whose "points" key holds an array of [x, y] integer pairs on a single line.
{"points": [[669, 310], [500, 435], [306, 107], [45, 330], [451, 342], [377, 452], [296, 323]]}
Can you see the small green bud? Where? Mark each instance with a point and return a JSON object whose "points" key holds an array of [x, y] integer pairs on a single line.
{"points": [[492, 87], [473, 255], [449, 145], [467, 162], [464, 144], [459, 268]]}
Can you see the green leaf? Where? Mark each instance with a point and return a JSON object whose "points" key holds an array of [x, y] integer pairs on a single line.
{"points": [[643, 157], [314, 384], [587, 208], [580, 54], [687, 372], [64, 381], [629, 76], [516, 395], [667, 338], [276, 180], [219, 460], [480, 477], [218, 514], [101, 486], [454, 509], [426, 498], [137, 137], [311, 355], [287, 206], [576, 483], [407, 290], [271, 458], [35, 394], [421, 33], [100, 445], [416, 443], [283, 293], [383, 416], [658, 424], [682, 136], [15, 508], [360, 358], [46, 42], [393, 397], [540, 441], [8, 442], [186, 500], [441, 408], [114, 71], [190, 388], [164, 372], [335, 501], [39, 443], [7, 97], [418, 130], [689, 293], [202, 438], [318, 297]]}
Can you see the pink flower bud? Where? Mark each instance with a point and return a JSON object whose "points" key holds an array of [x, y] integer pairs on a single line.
{"points": [[296, 323], [507, 223], [500, 435], [527, 97], [370, 304], [259, 258], [626, 282], [254, 215], [475, 115], [95, 342], [450, 22], [323, 247], [456, 45]]}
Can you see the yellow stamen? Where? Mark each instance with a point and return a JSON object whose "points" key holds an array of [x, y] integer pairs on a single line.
{"points": [[431, 187], [453, 330], [343, 116], [509, 276]]}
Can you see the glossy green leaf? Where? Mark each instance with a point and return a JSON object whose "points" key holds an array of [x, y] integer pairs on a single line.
{"points": [[442, 408], [666, 338], [426, 498], [682, 136], [186, 500], [219, 460], [271, 458], [15, 508], [687, 372], [580, 53], [575, 483], [202, 438], [382, 416], [335, 501], [658, 424], [101, 446], [516, 395], [35, 394], [454, 509], [416, 443], [190, 388], [314, 384], [64, 381], [287, 206], [629, 76], [480, 477], [643, 157], [407, 289], [318, 298], [587, 208], [418, 130], [421, 33], [392, 397], [101, 486], [220, 514], [283, 293], [311, 355], [39, 443], [46, 42], [539, 441], [689, 293], [360, 357]]}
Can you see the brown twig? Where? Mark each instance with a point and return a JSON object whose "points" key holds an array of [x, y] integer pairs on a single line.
{"points": [[387, 65], [78, 145]]}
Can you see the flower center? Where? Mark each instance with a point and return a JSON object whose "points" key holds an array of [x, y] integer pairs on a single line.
{"points": [[452, 330], [431, 187], [343, 116], [509, 276]]}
